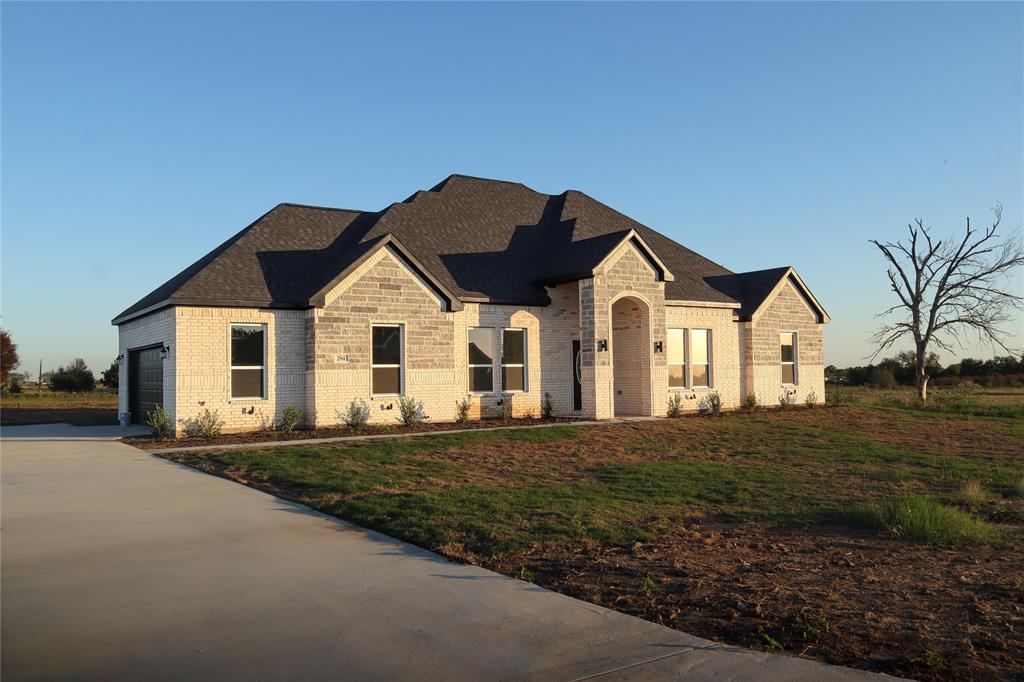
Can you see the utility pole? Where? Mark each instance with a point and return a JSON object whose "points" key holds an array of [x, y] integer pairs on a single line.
{"points": [[39, 378]]}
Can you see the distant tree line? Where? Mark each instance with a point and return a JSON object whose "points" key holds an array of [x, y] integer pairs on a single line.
{"points": [[902, 371]]}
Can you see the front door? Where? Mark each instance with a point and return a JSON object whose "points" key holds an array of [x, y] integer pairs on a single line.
{"points": [[577, 378]]}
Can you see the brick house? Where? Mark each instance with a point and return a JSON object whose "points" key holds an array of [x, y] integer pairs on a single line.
{"points": [[477, 288]]}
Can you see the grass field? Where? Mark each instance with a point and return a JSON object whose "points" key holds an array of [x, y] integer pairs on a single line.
{"points": [[81, 409], [873, 534]]}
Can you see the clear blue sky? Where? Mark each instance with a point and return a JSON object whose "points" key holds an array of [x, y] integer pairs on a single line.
{"points": [[137, 136]]}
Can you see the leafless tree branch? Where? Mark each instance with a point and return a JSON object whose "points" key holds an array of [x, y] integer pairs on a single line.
{"points": [[947, 289]]}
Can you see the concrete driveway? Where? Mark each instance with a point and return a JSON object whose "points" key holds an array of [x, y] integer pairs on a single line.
{"points": [[119, 565]]}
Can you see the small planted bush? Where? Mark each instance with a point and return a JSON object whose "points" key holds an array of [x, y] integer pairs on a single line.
{"points": [[750, 402], [462, 409], [811, 400], [711, 403], [503, 410], [785, 400], [410, 410], [922, 520], [207, 425], [158, 420], [547, 407], [356, 414], [675, 405], [291, 418]]}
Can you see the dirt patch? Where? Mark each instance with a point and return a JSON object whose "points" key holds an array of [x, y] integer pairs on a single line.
{"points": [[148, 443], [840, 596]]}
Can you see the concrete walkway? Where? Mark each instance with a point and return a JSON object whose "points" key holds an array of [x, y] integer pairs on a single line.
{"points": [[119, 565], [381, 436]]}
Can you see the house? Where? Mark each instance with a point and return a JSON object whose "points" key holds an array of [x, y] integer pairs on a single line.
{"points": [[478, 288]]}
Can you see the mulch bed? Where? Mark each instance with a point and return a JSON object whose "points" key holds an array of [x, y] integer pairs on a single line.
{"points": [[149, 443], [846, 597]]}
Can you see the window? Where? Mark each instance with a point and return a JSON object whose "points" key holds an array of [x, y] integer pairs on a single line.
{"points": [[481, 359], [787, 341], [700, 358], [247, 360], [677, 358], [386, 365], [513, 360]]}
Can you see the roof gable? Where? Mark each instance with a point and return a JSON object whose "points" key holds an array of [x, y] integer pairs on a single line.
{"points": [[754, 289]]}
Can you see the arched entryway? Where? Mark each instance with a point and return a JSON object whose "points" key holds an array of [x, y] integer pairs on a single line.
{"points": [[631, 356]]}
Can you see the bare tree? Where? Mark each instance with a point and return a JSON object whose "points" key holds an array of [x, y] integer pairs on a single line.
{"points": [[949, 289]]}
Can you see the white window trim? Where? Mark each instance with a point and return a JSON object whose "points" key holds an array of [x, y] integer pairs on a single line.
{"points": [[401, 358], [526, 355], [232, 367], [690, 364], [796, 358], [686, 356], [472, 366]]}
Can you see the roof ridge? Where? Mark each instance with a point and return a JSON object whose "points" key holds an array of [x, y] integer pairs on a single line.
{"points": [[439, 186], [661, 234], [322, 208]]}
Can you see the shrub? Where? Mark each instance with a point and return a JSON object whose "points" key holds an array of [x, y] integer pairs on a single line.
{"points": [[266, 423], [206, 426], [711, 403], [462, 409], [964, 394], [158, 420], [75, 378], [112, 375], [750, 402], [14, 387], [922, 520], [675, 405], [355, 415], [503, 410], [882, 377], [811, 400], [290, 418], [410, 410], [785, 400], [547, 407]]}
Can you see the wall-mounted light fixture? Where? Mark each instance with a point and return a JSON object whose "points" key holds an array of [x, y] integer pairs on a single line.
{"points": [[119, 358], [659, 346], [164, 351], [602, 345]]}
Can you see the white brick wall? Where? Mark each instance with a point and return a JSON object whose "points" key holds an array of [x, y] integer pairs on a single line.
{"points": [[784, 310], [319, 359], [725, 353], [202, 351], [151, 330]]}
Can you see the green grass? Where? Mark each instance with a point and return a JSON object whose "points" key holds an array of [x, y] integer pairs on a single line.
{"points": [[500, 491], [920, 519]]}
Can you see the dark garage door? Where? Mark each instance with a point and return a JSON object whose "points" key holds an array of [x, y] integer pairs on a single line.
{"points": [[145, 382]]}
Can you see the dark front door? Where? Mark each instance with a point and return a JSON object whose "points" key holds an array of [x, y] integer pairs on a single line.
{"points": [[145, 382], [577, 385]]}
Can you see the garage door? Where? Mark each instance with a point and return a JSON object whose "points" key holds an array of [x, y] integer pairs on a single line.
{"points": [[145, 382]]}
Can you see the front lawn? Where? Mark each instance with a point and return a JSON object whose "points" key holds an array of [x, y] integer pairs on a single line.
{"points": [[769, 530]]}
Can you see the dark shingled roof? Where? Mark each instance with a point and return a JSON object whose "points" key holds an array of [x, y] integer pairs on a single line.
{"points": [[483, 240]]}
